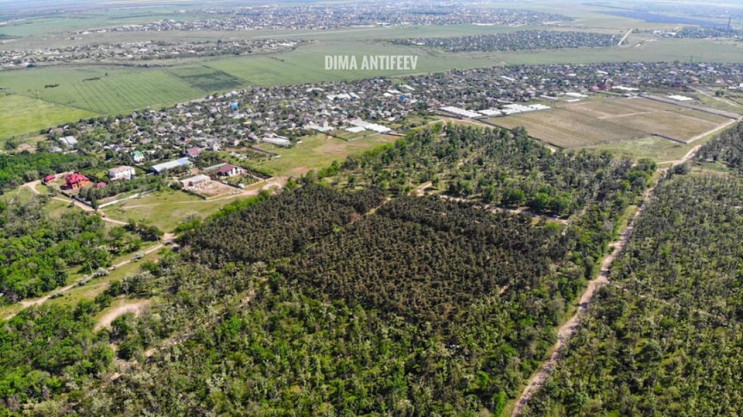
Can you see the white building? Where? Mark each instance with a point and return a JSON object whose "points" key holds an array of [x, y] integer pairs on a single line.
{"points": [[195, 181], [370, 126], [123, 172], [277, 140]]}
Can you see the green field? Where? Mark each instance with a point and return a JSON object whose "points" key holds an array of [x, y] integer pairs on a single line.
{"points": [[652, 147], [165, 209], [106, 90], [23, 115], [205, 78], [316, 152]]}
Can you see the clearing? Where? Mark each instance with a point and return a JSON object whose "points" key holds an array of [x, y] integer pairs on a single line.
{"points": [[316, 152], [118, 308]]}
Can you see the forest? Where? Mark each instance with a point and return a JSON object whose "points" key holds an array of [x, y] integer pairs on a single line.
{"points": [[39, 252], [726, 149], [665, 337], [338, 298], [498, 167]]}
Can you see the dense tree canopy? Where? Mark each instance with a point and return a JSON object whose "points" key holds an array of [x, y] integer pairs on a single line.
{"points": [[322, 301], [665, 337]]}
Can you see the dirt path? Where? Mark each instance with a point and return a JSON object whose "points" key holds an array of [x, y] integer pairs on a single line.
{"points": [[568, 329], [39, 301], [693, 151], [712, 131], [135, 307], [33, 184]]}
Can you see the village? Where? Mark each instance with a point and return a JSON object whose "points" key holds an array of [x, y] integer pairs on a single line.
{"points": [[138, 51], [215, 146], [333, 16], [518, 40]]}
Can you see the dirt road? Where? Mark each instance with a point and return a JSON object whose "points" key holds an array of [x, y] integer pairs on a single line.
{"points": [[39, 301], [135, 307], [568, 329]]}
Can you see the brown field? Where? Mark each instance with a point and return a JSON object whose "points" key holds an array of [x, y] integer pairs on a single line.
{"points": [[610, 120]]}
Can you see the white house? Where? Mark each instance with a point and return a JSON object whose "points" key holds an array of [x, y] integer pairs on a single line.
{"points": [[123, 172]]}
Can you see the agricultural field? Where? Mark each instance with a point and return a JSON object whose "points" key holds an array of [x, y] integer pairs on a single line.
{"points": [[23, 115], [316, 152], [567, 129], [596, 122], [205, 78], [101, 89]]}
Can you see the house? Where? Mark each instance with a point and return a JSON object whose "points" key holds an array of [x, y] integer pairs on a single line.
{"points": [[137, 157], [229, 170], [195, 181], [76, 180], [193, 152], [49, 178], [101, 185], [123, 172]]}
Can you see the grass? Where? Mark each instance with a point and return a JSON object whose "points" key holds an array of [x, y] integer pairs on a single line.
{"points": [[652, 147], [96, 286], [565, 128], [101, 89], [24, 115], [205, 78], [316, 152], [165, 209]]}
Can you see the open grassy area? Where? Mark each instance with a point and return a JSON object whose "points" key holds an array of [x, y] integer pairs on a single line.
{"points": [[316, 152], [165, 209], [651, 147], [24, 115]]}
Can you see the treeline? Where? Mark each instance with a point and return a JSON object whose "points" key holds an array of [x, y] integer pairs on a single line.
{"points": [[666, 336], [23, 167], [49, 351], [726, 148]]}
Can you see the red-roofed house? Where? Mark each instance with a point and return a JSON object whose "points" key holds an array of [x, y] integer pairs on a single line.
{"points": [[193, 152], [101, 184], [229, 170], [76, 180], [49, 178]]}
